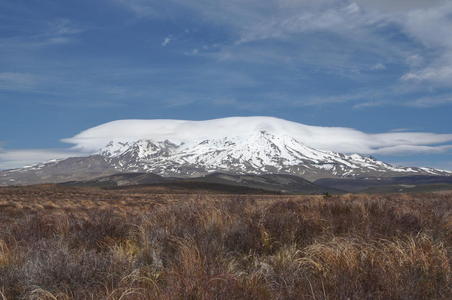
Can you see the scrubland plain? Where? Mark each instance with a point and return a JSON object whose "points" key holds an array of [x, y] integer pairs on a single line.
{"points": [[85, 243]]}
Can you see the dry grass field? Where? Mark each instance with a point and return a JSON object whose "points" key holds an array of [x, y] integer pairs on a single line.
{"points": [[86, 243]]}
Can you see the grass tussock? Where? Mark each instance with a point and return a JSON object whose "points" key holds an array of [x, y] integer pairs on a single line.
{"points": [[235, 247]]}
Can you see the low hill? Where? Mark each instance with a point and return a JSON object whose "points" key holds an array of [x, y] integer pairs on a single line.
{"points": [[218, 182]]}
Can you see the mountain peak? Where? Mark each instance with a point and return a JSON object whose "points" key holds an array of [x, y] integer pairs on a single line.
{"points": [[238, 145], [258, 152]]}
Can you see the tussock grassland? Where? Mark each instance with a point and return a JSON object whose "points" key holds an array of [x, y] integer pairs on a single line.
{"points": [[90, 244]]}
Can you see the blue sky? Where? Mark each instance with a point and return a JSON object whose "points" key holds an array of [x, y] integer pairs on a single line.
{"points": [[376, 66]]}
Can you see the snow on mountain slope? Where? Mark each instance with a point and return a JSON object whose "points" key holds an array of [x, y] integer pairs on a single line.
{"points": [[259, 152]]}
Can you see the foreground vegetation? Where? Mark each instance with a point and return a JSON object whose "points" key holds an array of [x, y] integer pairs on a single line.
{"points": [[230, 247]]}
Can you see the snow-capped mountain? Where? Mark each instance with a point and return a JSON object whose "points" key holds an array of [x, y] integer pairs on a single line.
{"points": [[259, 153], [256, 145]]}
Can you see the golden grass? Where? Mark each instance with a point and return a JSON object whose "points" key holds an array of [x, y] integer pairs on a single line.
{"points": [[67, 243]]}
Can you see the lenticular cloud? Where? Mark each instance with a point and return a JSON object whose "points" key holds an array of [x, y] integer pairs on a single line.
{"points": [[338, 139]]}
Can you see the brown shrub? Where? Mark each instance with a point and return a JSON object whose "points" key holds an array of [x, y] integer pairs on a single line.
{"points": [[229, 247]]}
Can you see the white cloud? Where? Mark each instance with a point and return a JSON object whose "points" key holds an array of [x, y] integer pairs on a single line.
{"points": [[413, 149], [16, 80], [166, 41], [18, 158], [62, 27], [431, 27], [427, 23], [440, 74], [254, 19], [141, 8], [338, 139], [54, 32], [414, 60], [391, 6], [417, 102], [430, 101], [369, 104], [378, 67]]}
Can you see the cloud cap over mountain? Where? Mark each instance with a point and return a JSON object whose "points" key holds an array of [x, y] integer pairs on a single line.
{"points": [[338, 139]]}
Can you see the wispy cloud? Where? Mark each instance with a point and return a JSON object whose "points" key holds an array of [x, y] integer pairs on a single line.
{"points": [[354, 35], [407, 101], [378, 67], [431, 27], [430, 101], [55, 32], [369, 104], [15, 80], [61, 27], [413, 149], [166, 41], [18, 158]]}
